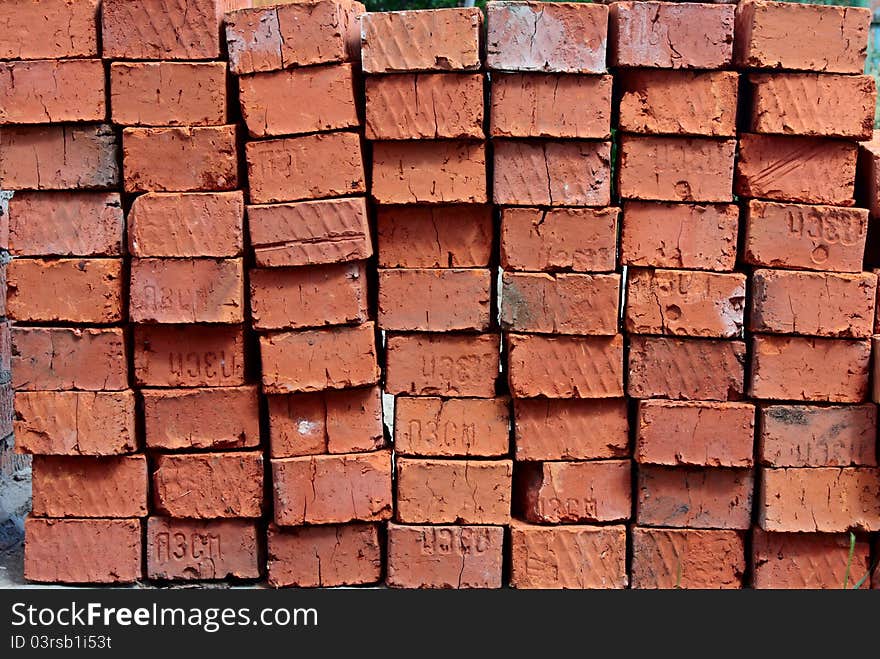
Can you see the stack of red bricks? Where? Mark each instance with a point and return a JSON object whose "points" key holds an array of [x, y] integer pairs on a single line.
{"points": [[551, 128], [684, 304], [811, 311], [298, 76], [425, 114]]}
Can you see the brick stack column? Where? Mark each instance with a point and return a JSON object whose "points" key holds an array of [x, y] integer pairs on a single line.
{"points": [[812, 309], [684, 305], [74, 408], [425, 115], [551, 127], [168, 94], [298, 79]]}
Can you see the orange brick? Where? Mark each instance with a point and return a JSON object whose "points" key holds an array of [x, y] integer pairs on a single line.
{"points": [[565, 367], [442, 364], [868, 172], [434, 300], [807, 560], [297, 101], [428, 171], [473, 491], [40, 29], [560, 303], [424, 106], [218, 418], [200, 158], [65, 290], [347, 421], [52, 91], [311, 296], [332, 489], [193, 550], [307, 167], [168, 93], [687, 558], [187, 291], [548, 429], [559, 239], [314, 360], [552, 173], [451, 427]]}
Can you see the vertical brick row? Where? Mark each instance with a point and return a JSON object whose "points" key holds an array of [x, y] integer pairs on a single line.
{"points": [[685, 303], [298, 76]]}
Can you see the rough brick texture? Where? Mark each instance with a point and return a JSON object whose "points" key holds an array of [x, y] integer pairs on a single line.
{"points": [[40, 29], [187, 356], [451, 427], [194, 550], [807, 560], [52, 91], [687, 558]]}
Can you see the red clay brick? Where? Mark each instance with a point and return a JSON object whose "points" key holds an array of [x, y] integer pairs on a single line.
{"points": [[802, 237], [296, 34], [186, 225], [332, 489], [694, 303], [451, 427], [208, 485], [687, 558], [787, 36], [435, 236], [434, 40], [540, 105], [314, 360], [307, 167], [684, 236], [813, 303], [558, 38], [814, 436], [686, 369], [65, 290], [310, 232], [311, 296], [658, 102], [187, 356], [191, 550], [348, 421], [297, 101], [38, 29], [58, 358], [432, 491], [552, 173], [427, 171], [52, 91], [676, 168], [413, 106], [806, 170], [66, 224], [75, 422], [828, 500], [558, 239], [58, 157], [83, 550], [575, 557], [442, 365], [6, 351], [81, 486], [547, 429], [671, 36], [187, 291], [694, 497], [868, 172], [434, 300], [445, 556], [807, 561], [200, 158], [573, 492], [560, 303], [217, 418], [164, 29], [324, 556], [168, 93], [817, 104], [813, 369], [565, 367]]}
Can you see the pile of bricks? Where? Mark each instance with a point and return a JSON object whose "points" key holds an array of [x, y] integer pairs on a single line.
{"points": [[558, 295]]}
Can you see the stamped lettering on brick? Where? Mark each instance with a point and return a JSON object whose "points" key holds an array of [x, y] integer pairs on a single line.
{"points": [[211, 365], [444, 541], [183, 547]]}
